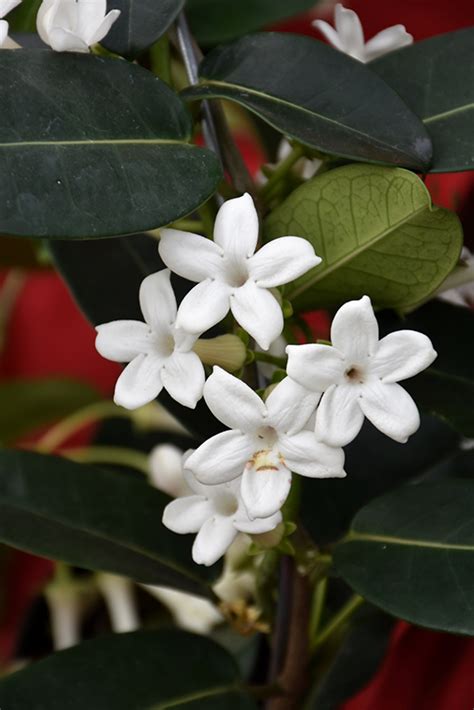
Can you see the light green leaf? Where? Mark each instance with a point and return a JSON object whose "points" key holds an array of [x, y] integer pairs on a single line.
{"points": [[377, 233], [411, 553]]}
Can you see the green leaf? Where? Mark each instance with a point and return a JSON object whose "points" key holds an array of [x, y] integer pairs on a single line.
{"points": [[214, 21], [412, 554], [328, 506], [377, 233], [140, 24], [145, 670], [23, 17], [30, 404], [106, 153], [322, 97], [122, 264], [93, 518], [435, 78]]}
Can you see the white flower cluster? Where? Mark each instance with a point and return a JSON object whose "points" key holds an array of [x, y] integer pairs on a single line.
{"points": [[239, 479]]}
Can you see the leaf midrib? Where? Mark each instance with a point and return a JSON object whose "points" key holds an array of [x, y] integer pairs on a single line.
{"points": [[118, 141], [355, 536], [198, 695]]}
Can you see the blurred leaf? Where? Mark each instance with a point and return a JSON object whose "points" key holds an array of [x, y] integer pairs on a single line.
{"points": [[214, 21], [435, 78], [16, 253], [140, 24], [107, 152], [377, 233], [27, 405], [374, 464], [93, 518], [23, 17], [145, 670], [411, 553], [319, 96], [122, 264]]}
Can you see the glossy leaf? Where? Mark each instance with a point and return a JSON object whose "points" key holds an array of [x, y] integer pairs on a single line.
{"points": [[136, 671], [93, 147], [319, 96], [29, 404], [122, 264], [140, 24], [435, 78], [328, 506], [412, 554], [93, 518], [377, 233], [214, 21]]}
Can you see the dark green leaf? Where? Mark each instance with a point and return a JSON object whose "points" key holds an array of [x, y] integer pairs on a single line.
{"points": [[436, 80], [146, 670], [374, 465], [377, 233], [93, 147], [122, 264], [214, 21], [93, 518], [355, 662], [140, 24], [29, 404], [23, 17], [412, 554], [321, 97]]}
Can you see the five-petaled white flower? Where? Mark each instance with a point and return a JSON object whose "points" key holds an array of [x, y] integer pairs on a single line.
{"points": [[231, 276], [217, 514], [159, 353], [348, 36], [358, 375], [74, 25], [266, 442], [5, 7]]}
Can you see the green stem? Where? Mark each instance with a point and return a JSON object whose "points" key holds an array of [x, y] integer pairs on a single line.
{"points": [[319, 600], [160, 59], [188, 225], [338, 620], [68, 426], [207, 214], [281, 170], [114, 455], [272, 359]]}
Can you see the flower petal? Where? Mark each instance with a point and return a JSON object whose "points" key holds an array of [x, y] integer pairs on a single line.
{"points": [[123, 340], [402, 354], [290, 406], [191, 256], [189, 612], [386, 41], [390, 409], [166, 470], [187, 514], [204, 306], [183, 378], [236, 227], [355, 331], [329, 32], [63, 40], [264, 490], [214, 538], [305, 455], [89, 15], [98, 33], [281, 261], [157, 301], [221, 458], [7, 6], [258, 312], [315, 366], [44, 18], [339, 417], [259, 525], [140, 382], [3, 31], [233, 402], [350, 31]]}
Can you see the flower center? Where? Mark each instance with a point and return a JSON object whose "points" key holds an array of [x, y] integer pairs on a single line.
{"points": [[268, 436], [355, 375], [165, 345], [226, 503], [236, 272]]}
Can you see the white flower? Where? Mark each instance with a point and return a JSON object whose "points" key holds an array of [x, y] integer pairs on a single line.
{"points": [[358, 375], [160, 355], [5, 7], [166, 470], [119, 597], [265, 444], [189, 612], [216, 513], [348, 36], [74, 25], [231, 276], [458, 288]]}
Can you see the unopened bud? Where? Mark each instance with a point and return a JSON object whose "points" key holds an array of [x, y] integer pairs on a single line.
{"points": [[154, 416], [227, 351], [119, 598]]}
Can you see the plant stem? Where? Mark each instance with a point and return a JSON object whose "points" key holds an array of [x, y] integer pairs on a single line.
{"points": [[338, 620], [272, 359], [160, 59], [319, 599], [114, 455], [68, 426], [188, 225], [281, 170]]}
